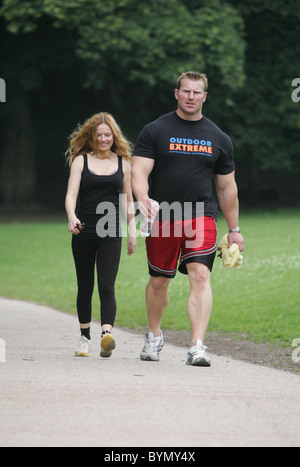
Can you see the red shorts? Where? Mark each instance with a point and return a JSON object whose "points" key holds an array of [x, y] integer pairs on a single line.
{"points": [[188, 241]]}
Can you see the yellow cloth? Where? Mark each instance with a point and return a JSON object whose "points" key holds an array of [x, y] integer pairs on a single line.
{"points": [[231, 257]]}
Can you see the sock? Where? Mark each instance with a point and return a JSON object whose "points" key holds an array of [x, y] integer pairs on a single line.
{"points": [[105, 332], [86, 333]]}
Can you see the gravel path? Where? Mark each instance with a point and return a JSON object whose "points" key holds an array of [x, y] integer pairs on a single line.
{"points": [[50, 398]]}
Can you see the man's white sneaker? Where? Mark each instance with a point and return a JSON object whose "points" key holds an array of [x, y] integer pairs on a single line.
{"points": [[153, 346], [197, 355], [84, 347]]}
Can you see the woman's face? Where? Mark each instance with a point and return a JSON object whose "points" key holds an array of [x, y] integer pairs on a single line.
{"points": [[105, 137]]}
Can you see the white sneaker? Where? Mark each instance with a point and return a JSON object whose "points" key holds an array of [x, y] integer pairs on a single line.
{"points": [[107, 345], [153, 345], [84, 347], [197, 355]]}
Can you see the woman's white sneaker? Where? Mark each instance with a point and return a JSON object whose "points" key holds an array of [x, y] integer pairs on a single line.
{"points": [[197, 355], [107, 345], [84, 347]]}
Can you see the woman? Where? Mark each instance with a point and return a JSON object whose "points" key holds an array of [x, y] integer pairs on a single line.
{"points": [[100, 160]]}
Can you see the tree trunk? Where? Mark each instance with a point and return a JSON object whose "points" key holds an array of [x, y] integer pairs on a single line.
{"points": [[17, 170]]}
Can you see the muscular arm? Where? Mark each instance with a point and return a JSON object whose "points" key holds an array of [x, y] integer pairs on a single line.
{"points": [[141, 169], [228, 200]]}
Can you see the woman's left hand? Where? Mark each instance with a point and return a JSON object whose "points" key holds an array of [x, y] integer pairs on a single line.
{"points": [[131, 245]]}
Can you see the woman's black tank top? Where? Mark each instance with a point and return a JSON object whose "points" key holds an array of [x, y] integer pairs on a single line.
{"points": [[99, 203]]}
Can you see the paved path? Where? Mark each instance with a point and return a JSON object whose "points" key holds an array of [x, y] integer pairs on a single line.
{"points": [[50, 398]]}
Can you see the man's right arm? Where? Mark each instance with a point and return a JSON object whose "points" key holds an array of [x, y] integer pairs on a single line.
{"points": [[141, 170]]}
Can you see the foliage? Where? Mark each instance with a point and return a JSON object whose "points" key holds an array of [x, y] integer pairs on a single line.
{"points": [[267, 122], [67, 60], [144, 40]]}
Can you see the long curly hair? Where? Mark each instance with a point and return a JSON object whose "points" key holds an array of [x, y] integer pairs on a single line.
{"points": [[84, 138]]}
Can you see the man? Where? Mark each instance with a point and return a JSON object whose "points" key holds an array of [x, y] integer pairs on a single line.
{"points": [[181, 153]]}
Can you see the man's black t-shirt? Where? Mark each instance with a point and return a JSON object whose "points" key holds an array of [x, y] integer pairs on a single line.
{"points": [[187, 154]]}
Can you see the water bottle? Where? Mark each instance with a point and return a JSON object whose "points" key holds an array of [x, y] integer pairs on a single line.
{"points": [[148, 222]]}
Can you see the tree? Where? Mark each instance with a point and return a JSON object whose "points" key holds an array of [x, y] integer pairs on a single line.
{"points": [[266, 123], [120, 48], [27, 59], [147, 40], [272, 30]]}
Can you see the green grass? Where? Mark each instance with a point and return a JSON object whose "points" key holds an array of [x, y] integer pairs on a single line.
{"points": [[261, 300]]}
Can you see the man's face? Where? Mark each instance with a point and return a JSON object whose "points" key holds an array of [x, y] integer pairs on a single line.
{"points": [[190, 97]]}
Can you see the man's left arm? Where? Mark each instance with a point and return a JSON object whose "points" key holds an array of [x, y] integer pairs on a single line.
{"points": [[228, 200]]}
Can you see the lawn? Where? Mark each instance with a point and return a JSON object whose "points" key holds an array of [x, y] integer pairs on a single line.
{"points": [[260, 301]]}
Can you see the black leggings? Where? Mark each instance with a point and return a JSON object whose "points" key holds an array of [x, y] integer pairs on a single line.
{"points": [[106, 254]]}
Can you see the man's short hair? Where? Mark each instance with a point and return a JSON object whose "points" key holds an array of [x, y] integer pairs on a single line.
{"points": [[194, 76]]}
